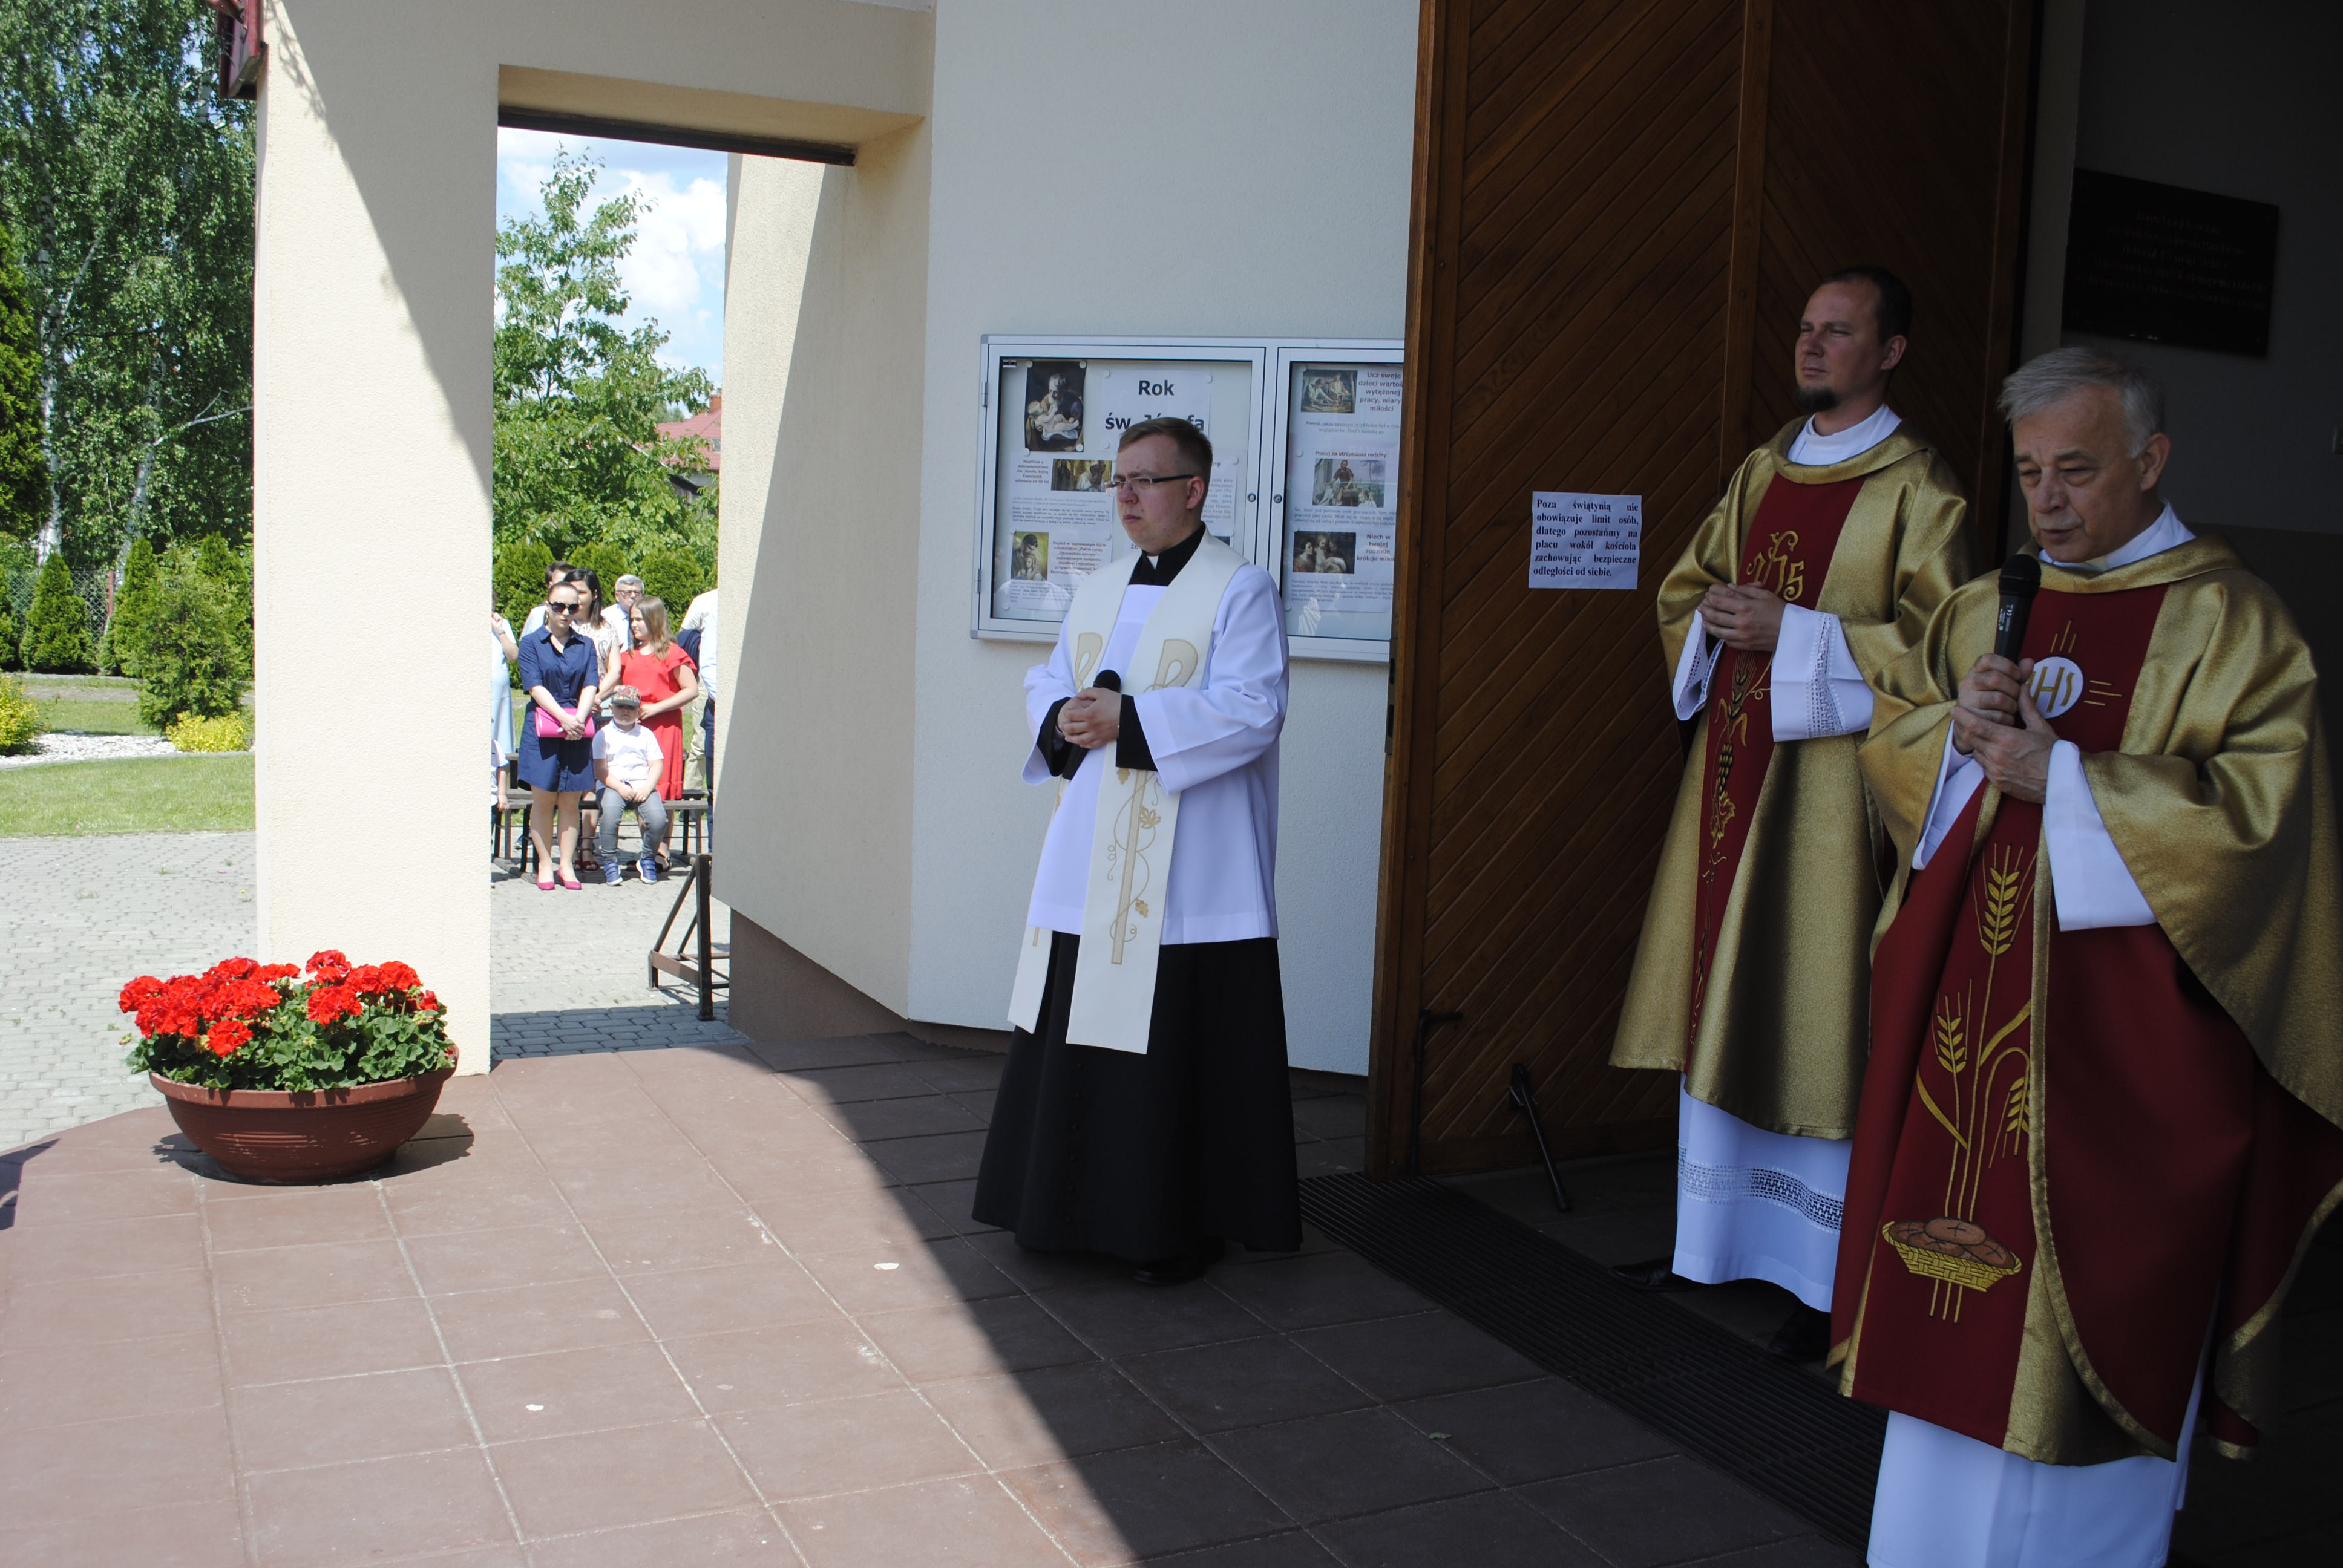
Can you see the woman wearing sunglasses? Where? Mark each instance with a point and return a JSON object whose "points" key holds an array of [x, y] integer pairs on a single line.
{"points": [[561, 669]]}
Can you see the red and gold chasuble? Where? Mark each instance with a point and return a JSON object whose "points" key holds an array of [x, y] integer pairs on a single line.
{"points": [[2130, 1126], [1788, 551]]}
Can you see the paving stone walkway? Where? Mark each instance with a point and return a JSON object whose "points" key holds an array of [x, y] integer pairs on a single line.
{"points": [[78, 916]]}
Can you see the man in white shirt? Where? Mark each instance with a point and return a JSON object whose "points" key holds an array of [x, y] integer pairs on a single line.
{"points": [[1831, 545], [2105, 1105], [1145, 1112], [701, 620], [627, 763]]}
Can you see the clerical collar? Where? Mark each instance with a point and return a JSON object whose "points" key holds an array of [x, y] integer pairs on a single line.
{"points": [[2158, 537], [1816, 450], [1155, 571]]}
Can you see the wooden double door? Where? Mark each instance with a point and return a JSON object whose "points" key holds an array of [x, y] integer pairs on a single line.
{"points": [[1620, 208]]}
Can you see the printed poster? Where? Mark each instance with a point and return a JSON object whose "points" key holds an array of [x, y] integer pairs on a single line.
{"points": [[1059, 422], [1579, 541], [1341, 500]]}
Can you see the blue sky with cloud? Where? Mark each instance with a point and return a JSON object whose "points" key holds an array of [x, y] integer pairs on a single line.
{"points": [[675, 274]]}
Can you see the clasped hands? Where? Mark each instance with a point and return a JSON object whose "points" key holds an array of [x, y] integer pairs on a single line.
{"points": [[1743, 617], [1091, 718], [1996, 722]]}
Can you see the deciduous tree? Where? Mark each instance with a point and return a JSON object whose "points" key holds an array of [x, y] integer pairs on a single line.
{"points": [[579, 460], [129, 184]]}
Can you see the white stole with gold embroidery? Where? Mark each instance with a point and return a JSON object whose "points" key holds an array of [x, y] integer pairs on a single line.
{"points": [[1131, 835]]}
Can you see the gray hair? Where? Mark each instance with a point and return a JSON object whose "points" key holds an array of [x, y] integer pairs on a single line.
{"points": [[629, 580], [2053, 377]]}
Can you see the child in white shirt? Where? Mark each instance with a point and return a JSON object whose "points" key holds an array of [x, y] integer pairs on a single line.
{"points": [[627, 763]]}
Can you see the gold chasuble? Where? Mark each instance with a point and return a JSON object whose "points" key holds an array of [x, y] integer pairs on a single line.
{"points": [[1752, 974], [2080, 1150]]}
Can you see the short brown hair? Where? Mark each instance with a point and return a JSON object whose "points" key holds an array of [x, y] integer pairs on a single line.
{"points": [[1194, 446]]}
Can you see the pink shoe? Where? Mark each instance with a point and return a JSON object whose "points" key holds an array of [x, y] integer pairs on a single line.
{"points": [[544, 884], [572, 884]]}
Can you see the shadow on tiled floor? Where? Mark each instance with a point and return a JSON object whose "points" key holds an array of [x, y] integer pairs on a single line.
{"points": [[719, 1304], [2278, 1510]]}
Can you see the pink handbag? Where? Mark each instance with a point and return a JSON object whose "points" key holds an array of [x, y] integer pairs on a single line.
{"points": [[549, 728]]}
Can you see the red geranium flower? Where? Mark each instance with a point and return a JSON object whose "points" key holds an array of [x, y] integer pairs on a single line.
{"points": [[271, 973], [328, 1002], [228, 1037], [330, 966], [135, 994]]}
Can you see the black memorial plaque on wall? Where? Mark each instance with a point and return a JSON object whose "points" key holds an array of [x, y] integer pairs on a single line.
{"points": [[2165, 265]]}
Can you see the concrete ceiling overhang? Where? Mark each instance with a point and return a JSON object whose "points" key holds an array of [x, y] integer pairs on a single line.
{"points": [[691, 117]]}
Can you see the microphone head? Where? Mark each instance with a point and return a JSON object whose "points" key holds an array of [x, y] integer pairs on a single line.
{"points": [[1108, 680], [2021, 576]]}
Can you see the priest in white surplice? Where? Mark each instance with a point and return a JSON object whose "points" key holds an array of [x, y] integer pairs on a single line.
{"points": [[1831, 545], [1145, 1113]]}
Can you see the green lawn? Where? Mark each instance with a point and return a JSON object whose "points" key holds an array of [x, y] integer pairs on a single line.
{"points": [[165, 795], [93, 717]]}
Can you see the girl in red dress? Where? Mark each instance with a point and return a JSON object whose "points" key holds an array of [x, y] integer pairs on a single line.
{"points": [[670, 683]]}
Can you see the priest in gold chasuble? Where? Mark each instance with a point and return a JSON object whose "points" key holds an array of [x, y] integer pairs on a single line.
{"points": [[1821, 564], [2104, 1110], [1145, 1112]]}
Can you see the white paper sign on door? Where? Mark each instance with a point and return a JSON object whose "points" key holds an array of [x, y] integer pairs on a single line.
{"points": [[1584, 541]]}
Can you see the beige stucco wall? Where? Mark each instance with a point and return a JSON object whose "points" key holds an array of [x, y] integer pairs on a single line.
{"points": [[869, 752], [1212, 168], [375, 268], [822, 349]]}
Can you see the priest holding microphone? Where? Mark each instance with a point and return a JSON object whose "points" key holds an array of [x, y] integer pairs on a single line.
{"points": [[2104, 1108], [1144, 1113]]}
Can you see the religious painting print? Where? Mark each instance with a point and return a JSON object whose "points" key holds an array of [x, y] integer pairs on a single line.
{"points": [[1029, 560], [1054, 404], [1337, 554], [1340, 481], [1327, 391], [1083, 475]]}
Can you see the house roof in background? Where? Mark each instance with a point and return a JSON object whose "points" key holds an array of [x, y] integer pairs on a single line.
{"points": [[708, 426]]}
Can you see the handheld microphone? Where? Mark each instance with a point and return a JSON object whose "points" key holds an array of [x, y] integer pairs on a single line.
{"points": [[2021, 579]]}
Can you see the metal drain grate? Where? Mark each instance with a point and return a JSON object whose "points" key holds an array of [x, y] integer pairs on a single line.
{"points": [[1725, 1400]]}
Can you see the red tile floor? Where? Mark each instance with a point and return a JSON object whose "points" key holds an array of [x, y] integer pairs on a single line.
{"points": [[724, 1305]]}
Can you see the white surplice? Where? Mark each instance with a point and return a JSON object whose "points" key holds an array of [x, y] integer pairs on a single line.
{"points": [[1753, 1204], [1945, 1500], [1214, 745]]}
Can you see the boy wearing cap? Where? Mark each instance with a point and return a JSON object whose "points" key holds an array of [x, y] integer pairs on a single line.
{"points": [[626, 766]]}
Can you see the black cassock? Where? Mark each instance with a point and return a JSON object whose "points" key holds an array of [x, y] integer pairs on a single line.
{"points": [[1143, 1157]]}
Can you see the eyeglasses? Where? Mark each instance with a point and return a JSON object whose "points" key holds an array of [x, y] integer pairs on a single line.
{"points": [[1143, 484]]}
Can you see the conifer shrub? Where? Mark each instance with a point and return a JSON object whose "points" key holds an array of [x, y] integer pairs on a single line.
{"points": [[56, 632], [520, 569], [675, 578], [224, 732], [605, 561], [196, 654], [134, 605], [20, 720]]}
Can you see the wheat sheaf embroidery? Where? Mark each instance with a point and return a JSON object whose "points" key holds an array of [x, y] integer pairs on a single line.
{"points": [[1998, 914]]}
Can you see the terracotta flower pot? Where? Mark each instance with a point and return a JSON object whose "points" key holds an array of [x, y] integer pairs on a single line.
{"points": [[283, 1136]]}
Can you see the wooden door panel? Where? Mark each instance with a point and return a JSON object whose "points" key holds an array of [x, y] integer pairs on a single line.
{"points": [[1620, 206]]}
